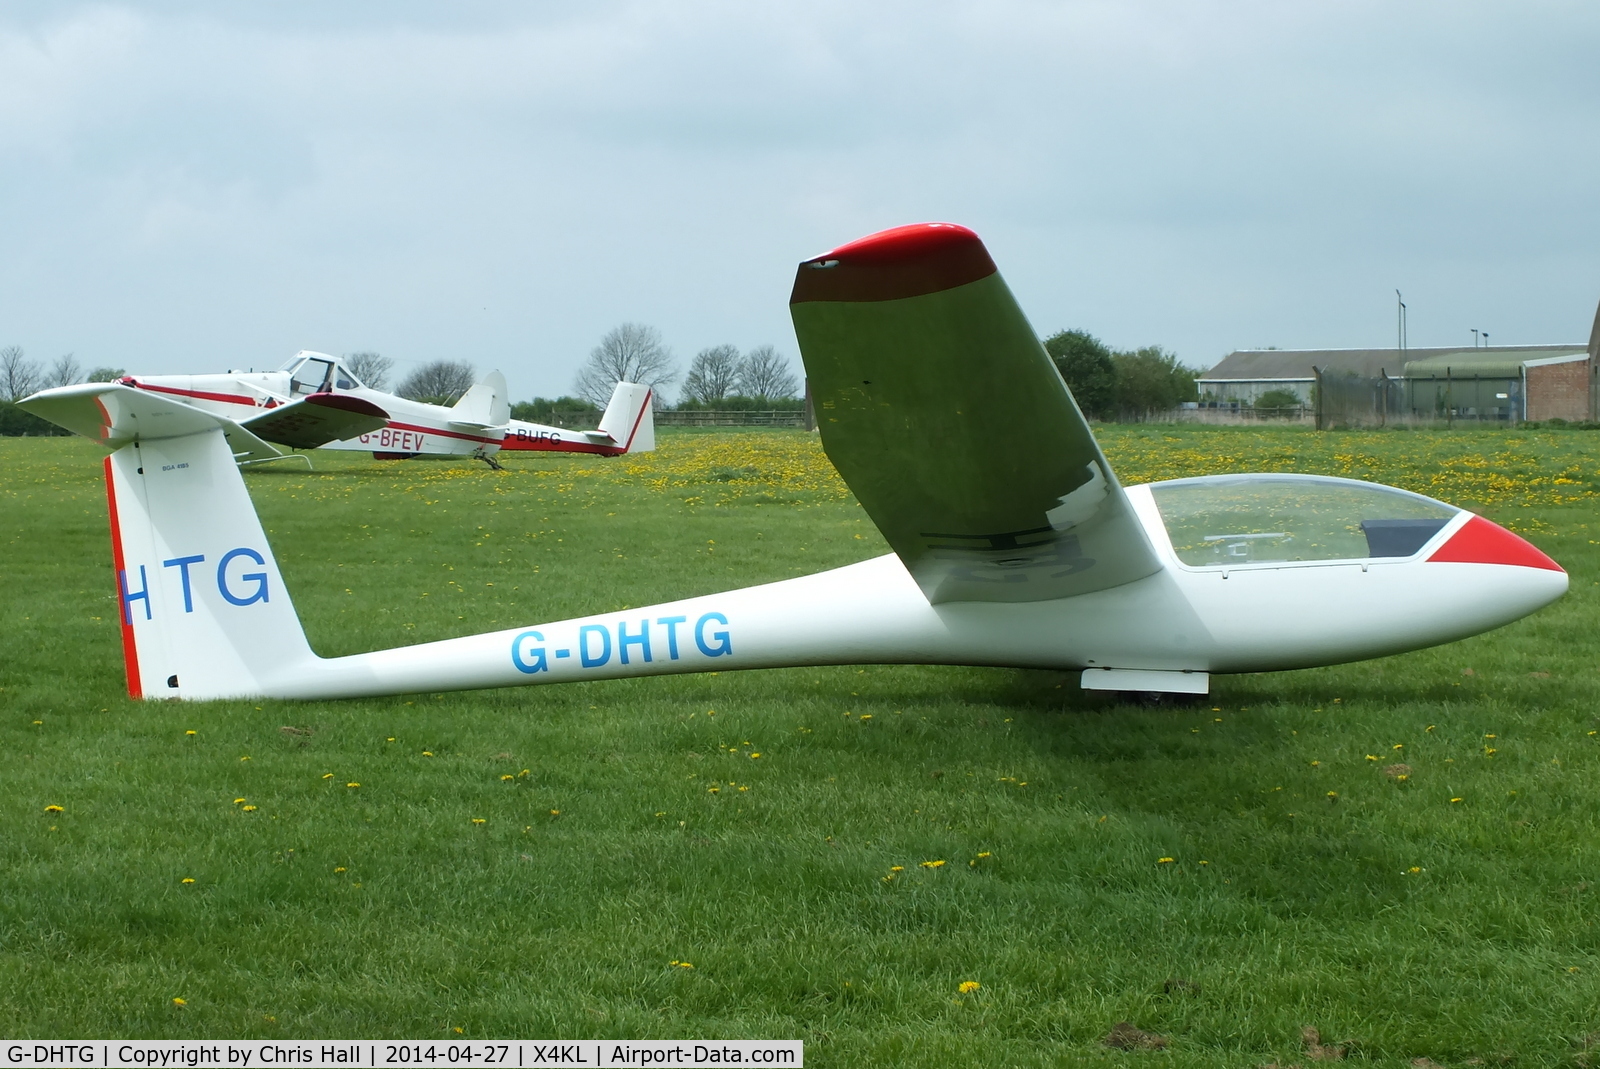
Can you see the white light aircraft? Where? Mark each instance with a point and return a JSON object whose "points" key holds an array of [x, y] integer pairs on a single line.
{"points": [[1013, 543], [314, 401]]}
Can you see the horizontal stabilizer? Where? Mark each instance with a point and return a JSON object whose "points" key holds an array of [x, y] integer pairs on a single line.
{"points": [[317, 420], [114, 415]]}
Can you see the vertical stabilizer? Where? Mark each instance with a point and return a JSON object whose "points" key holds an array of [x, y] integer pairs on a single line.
{"points": [[628, 419], [204, 611], [487, 404]]}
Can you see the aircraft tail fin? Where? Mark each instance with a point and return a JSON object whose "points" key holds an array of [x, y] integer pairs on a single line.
{"points": [[203, 608], [487, 404], [629, 418]]}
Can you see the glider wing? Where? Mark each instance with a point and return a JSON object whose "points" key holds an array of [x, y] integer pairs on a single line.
{"points": [[947, 419], [317, 420]]}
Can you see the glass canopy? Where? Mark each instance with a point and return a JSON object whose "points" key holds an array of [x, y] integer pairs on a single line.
{"points": [[1249, 519]]}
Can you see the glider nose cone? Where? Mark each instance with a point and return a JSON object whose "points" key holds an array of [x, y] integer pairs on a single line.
{"points": [[1540, 579], [905, 261]]}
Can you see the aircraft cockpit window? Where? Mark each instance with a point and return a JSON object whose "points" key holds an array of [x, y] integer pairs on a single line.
{"points": [[1249, 519], [343, 380], [312, 376]]}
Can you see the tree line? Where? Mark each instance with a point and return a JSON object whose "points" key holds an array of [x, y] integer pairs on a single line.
{"points": [[1108, 384]]}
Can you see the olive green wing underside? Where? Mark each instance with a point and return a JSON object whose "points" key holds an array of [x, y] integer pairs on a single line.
{"points": [[947, 419]]}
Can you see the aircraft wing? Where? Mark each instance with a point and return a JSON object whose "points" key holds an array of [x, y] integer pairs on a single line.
{"points": [[317, 420], [114, 415], [946, 417]]}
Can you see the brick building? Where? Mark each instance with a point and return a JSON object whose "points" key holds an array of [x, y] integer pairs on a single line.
{"points": [[1557, 387]]}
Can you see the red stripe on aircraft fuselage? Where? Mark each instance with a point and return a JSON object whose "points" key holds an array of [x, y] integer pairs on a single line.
{"points": [[448, 434], [225, 398], [648, 394], [1479, 541], [557, 445], [130, 651]]}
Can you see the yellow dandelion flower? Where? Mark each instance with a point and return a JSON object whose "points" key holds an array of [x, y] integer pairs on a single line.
{"points": [[187, 879], [682, 964], [1491, 736], [37, 723], [744, 788], [427, 753], [1372, 757], [713, 790], [985, 853], [1333, 794], [339, 868], [389, 739], [1453, 801], [524, 772], [968, 986], [54, 809], [1401, 778], [1398, 746], [1489, 751], [479, 820], [1163, 861], [866, 716], [1430, 727], [897, 868], [1316, 764], [352, 784], [555, 812], [191, 733], [179, 1002], [506, 777], [933, 864], [1205, 862], [238, 801], [327, 775], [1414, 869], [246, 757], [754, 756], [249, 809]]}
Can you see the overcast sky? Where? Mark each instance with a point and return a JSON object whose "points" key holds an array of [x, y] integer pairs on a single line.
{"points": [[192, 186]]}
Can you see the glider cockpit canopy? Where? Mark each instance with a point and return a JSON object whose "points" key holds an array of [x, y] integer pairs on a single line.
{"points": [[1234, 520]]}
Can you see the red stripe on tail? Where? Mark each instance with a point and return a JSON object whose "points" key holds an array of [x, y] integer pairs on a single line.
{"points": [[130, 652]]}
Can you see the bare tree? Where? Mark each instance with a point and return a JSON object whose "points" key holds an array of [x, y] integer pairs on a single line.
{"points": [[631, 352], [765, 373], [104, 374], [371, 368], [19, 376], [66, 371], [712, 374], [441, 382]]}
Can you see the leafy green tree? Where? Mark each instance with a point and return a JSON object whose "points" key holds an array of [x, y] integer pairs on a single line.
{"points": [[1085, 362], [1152, 380]]}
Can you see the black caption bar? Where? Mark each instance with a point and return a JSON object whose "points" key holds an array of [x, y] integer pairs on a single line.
{"points": [[369, 1054]]}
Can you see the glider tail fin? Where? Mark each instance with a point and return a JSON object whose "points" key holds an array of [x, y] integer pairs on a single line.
{"points": [[203, 608], [629, 418]]}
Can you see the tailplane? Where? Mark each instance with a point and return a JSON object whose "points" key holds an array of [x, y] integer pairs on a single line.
{"points": [[203, 608]]}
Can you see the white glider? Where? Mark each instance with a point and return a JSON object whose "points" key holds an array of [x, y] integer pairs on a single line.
{"points": [[1014, 544], [278, 407]]}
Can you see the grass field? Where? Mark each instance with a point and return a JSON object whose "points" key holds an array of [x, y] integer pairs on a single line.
{"points": [[614, 859]]}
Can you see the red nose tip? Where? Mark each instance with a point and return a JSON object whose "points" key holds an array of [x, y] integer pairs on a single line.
{"points": [[1481, 542], [905, 261]]}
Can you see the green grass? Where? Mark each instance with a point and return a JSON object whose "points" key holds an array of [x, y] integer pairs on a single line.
{"points": [[1049, 807]]}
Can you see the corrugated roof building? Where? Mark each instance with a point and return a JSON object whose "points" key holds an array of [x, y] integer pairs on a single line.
{"points": [[1507, 382]]}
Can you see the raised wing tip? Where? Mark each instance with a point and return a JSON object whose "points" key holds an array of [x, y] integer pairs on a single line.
{"points": [[903, 261]]}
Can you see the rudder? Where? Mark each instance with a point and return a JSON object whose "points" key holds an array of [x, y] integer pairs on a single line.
{"points": [[203, 608]]}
